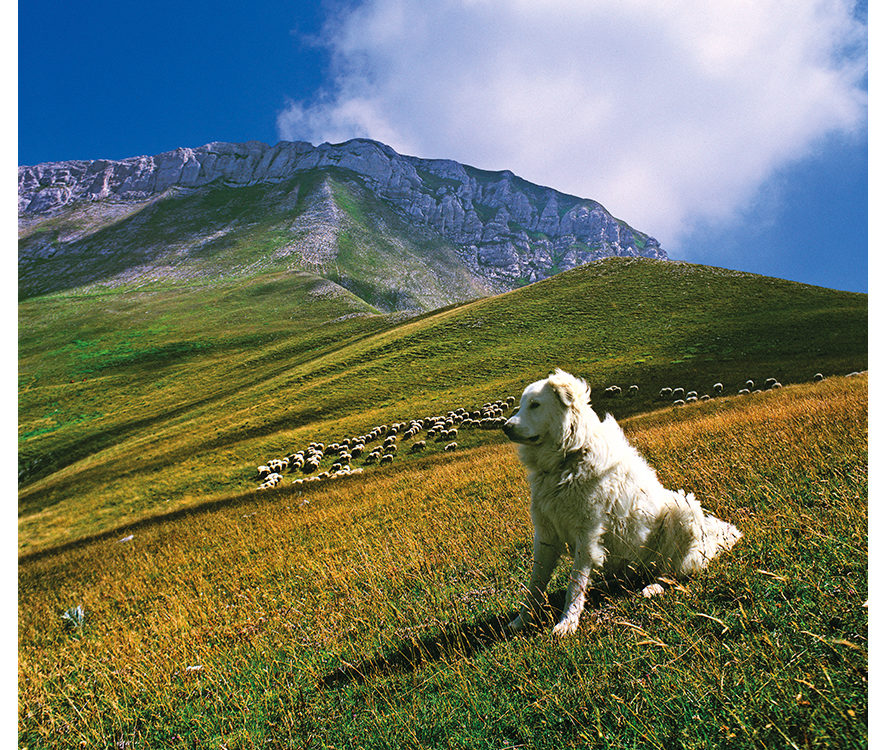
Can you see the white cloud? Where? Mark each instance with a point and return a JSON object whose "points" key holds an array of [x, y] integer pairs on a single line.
{"points": [[667, 113]]}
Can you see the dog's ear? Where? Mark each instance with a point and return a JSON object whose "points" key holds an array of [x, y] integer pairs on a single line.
{"points": [[573, 394], [570, 390]]}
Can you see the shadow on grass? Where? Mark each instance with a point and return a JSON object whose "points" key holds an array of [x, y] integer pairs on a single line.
{"points": [[467, 639]]}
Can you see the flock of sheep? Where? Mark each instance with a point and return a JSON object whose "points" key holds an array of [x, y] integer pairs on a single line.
{"points": [[440, 429], [679, 396], [437, 429]]}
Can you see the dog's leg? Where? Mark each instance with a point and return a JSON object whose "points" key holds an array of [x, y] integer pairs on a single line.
{"points": [[589, 557], [545, 556]]}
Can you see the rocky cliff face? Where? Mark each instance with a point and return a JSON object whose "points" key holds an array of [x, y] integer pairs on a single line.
{"points": [[505, 229]]}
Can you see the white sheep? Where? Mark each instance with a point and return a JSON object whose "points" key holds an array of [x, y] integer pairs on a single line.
{"points": [[451, 446]]}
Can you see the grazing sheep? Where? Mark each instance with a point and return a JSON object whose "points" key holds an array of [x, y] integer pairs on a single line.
{"points": [[678, 402], [769, 383], [419, 445], [704, 397], [817, 377], [744, 391], [677, 393], [386, 459], [633, 390], [718, 388], [750, 384], [613, 391], [693, 394], [665, 392], [690, 399], [451, 446], [263, 471], [371, 459]]}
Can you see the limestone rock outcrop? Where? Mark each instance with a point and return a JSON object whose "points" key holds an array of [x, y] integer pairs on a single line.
{"points": [[506, 229]]}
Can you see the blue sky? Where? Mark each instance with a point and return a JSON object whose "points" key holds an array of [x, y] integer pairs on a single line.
{"points": [[737, 137]]}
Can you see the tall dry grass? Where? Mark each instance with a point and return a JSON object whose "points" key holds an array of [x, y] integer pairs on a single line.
{"points": [[368, 613]]}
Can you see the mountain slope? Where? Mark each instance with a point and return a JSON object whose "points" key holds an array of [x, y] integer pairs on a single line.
{"points": [[402, 232], [137, 402]]}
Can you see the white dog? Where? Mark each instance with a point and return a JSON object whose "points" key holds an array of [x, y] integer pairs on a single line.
{"points": [[593, 492]]}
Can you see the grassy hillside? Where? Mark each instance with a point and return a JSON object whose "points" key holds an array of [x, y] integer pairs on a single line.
{"points": [[324, 222], [367, 613], [138, 403]]}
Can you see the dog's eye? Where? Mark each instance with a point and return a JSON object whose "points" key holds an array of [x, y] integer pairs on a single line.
{"points": [[534, 404]]}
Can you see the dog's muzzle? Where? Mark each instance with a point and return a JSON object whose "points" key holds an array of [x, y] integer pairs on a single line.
{"points": [[512, 434]]}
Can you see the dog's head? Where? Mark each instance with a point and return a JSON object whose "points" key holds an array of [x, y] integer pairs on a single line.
{"points": [[553, 413]]}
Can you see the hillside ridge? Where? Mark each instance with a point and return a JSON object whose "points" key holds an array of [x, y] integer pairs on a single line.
{"points": [[506, 231]]}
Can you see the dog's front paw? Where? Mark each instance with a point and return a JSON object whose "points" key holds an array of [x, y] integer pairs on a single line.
{"points": [[654, 589], [567, 626]]}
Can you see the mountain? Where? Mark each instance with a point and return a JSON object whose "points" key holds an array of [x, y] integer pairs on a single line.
{"points": [[399, 232]]}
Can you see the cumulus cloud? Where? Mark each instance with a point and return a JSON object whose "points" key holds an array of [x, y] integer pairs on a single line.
{"points": [[667, 113]]}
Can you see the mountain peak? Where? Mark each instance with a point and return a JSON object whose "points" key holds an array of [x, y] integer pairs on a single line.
{"points": [[506, 230]]}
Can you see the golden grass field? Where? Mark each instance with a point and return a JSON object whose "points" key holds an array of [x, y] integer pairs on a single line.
{"points": [[367, 612]]}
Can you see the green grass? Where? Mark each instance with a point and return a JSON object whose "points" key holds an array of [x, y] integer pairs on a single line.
{"points": [[136, 403], [367, 612]]}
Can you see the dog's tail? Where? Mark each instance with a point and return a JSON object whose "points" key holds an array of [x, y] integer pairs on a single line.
{"points": [[696, 536], [713, 536]]}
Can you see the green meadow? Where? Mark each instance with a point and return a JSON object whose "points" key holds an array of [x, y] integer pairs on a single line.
{"points": [[367, 611]]}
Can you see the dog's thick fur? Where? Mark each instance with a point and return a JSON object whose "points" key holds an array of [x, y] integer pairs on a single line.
{"points": [[593, 492]]}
